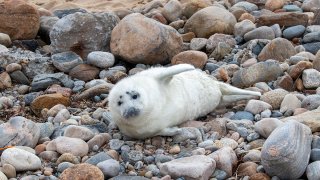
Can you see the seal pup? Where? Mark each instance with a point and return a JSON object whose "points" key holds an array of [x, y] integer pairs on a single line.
{"points": [[154, 101]]}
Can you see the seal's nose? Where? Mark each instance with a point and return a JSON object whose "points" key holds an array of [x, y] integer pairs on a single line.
{"points": [[131, 112]]}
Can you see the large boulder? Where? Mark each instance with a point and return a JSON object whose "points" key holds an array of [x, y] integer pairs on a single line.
{"points": [[83, 33], [19, 20], [211, 20], [138, 39]]}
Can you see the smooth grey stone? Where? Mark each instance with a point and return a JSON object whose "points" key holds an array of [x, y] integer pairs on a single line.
{"points": [[43, 81], [46, 129], [19, 77], [243, 115], [311, 37], [312, 47], [60, 13], [293, 32], [64, 165], [66, 61], [101, 156], [132, 156], [292, 8], [313, 171], [315, 155], [315, 142], [311, 102]]}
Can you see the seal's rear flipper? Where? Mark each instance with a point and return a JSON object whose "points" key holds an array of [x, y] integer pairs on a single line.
{"points": [[167, 73], [169, 131], [230, 90], [229, 99]]}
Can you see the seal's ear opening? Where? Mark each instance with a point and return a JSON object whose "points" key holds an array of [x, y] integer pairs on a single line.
{"points": [[167, 74]]}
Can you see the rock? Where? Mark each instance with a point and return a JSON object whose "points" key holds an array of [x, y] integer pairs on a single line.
{"points": [[9, 171], [286, 151], [310, 4], [247, 16], [19, 131], [309, 118], [264, 31], [194, 167], [296, 70], [265, 126], [214, 40], [20, 159], [290, 103], [43, 81], [274, 4], [100, 157], [226, 159], [98, 140], [253, 155], [140, 46], [285, 82], [218, 125], [315, 155], [78, 132], [101, 59], [217, 20], [191, 7], [243, 27], [20, 20], [5, 81], [316, 62], [196, 58], [62, 116], [64, 144], [46, 25], [109, 168], [286, 19], [313, 170], [3, 49], [311, 37], [260, 72], [293, 32], [19, 77], [75, 33], [82, 171], [312, 47], [172, 10], [311, 102], [257, 106], [187, 37], [198, 43], [311, 78], [13, 67], [279, 49], [84, 72], [178, 24], [67, 157], [242, 115], [247, 6], [274, 97], [48, 101], [132, 156], [247, 169], [259, 176], [66, 61], [5, 39]]}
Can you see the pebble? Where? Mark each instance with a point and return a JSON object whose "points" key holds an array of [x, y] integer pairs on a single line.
{"points": [[279, 49], [313, 170], [67, 157], [247, 169], [3, 176], [263, 31], [48, 101], [293, 32], [20, 159], [82, 171], [62, 116], [273, 4], [62, 144], [277, 148], [66, 61], [243, 27], [257, 106], [63, 166], [311, 102], [84, 72], [196, 58], [101, 59], [274, 97], [226, 159], [242, 115], [78, 132], [98, 140], [196, 167], [132, 156], [198, 43], [13, 67], [172, 10], [311, 78], [109, 168], [5, 39], [9, 170], [253, 156], [116, 144], [315, 155]]}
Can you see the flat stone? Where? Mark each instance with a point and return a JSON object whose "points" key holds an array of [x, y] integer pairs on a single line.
{"points": [[9, 171], [43, 81], [311, 102], [311, 78], [286, 19], [78, 132], [286, 151], [20, 159], [63, 144], [66, 61], [312, 47], [293, 32], [98, 158], [311, 37], [295, 71], [101, 59], [110, 168], [248, 6], [48, 101], [257, 106], [264, 32], [194, 167], [84, 72], [19, 77], [196, 58], [243, 27]]}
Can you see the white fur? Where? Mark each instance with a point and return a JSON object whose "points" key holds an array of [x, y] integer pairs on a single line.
{"points": [[167, 98]]}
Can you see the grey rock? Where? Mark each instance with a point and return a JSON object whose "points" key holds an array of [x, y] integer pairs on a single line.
{"points": [[242, 27], [161, 158], [20, 159], [311, 102], [19, 77], [65, 61], [46, 129], [98, 158], [123, 177], [19, 131], [60, 13], [286, 151], [43, 81], [75, 32], [64, 165], [198, 43], [109, 168], [188, 133], [315, 142], [313, 171], [172, 10], [277, 30], [132, 156], [101, 59], [315, 155], [265, 126], [46, 24], [293, 32], [116, 144], [311, 78], [247, 6], [257, 106], [243, 115], [311, 37], [312, 47], [219, 174], [263, 32], [292, 8], [260, 72]]}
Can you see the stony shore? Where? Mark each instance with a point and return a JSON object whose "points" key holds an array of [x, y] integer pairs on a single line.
{"points": [[57, 66]]}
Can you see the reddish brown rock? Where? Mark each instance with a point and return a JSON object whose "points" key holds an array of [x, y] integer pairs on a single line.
{"points": [[316, 62], [84, 72], [316, 19], [19, 20], [48, 101], [259, 176], [187, 37], [247, 169], [196, 58], [192, 7], [215, 39], [55, 88], [283, 19], [82, 172], [247, 16], [5, 81], [285, 82], [138, 39], [299, 84], [296, 70], [279, 49], [274, 4]]}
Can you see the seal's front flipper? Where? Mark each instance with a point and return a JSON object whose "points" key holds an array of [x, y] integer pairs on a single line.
{"points": [[168, 73], [170, 131]]}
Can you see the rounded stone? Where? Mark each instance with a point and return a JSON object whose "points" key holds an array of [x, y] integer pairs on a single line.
{"points": [[265, 126], [311, 102], [63, 144], [274, 97], [66, 61], [101, 59], [264, 32], [109, 168], [9, 171], [172, 10], [257, 106], [20, 159], [138, 39], [293, 32], [84, 72], [311, 78], [78, 132], [211, 20], [82, 171], [279, 49], [5, 39], [241, 28], [196, 58], [274, 4], [242, 115], [313, 170], [13, 67]]}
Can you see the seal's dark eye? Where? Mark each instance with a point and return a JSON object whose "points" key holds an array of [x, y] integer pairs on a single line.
{"points": [[119, 103], [135, 96]]}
